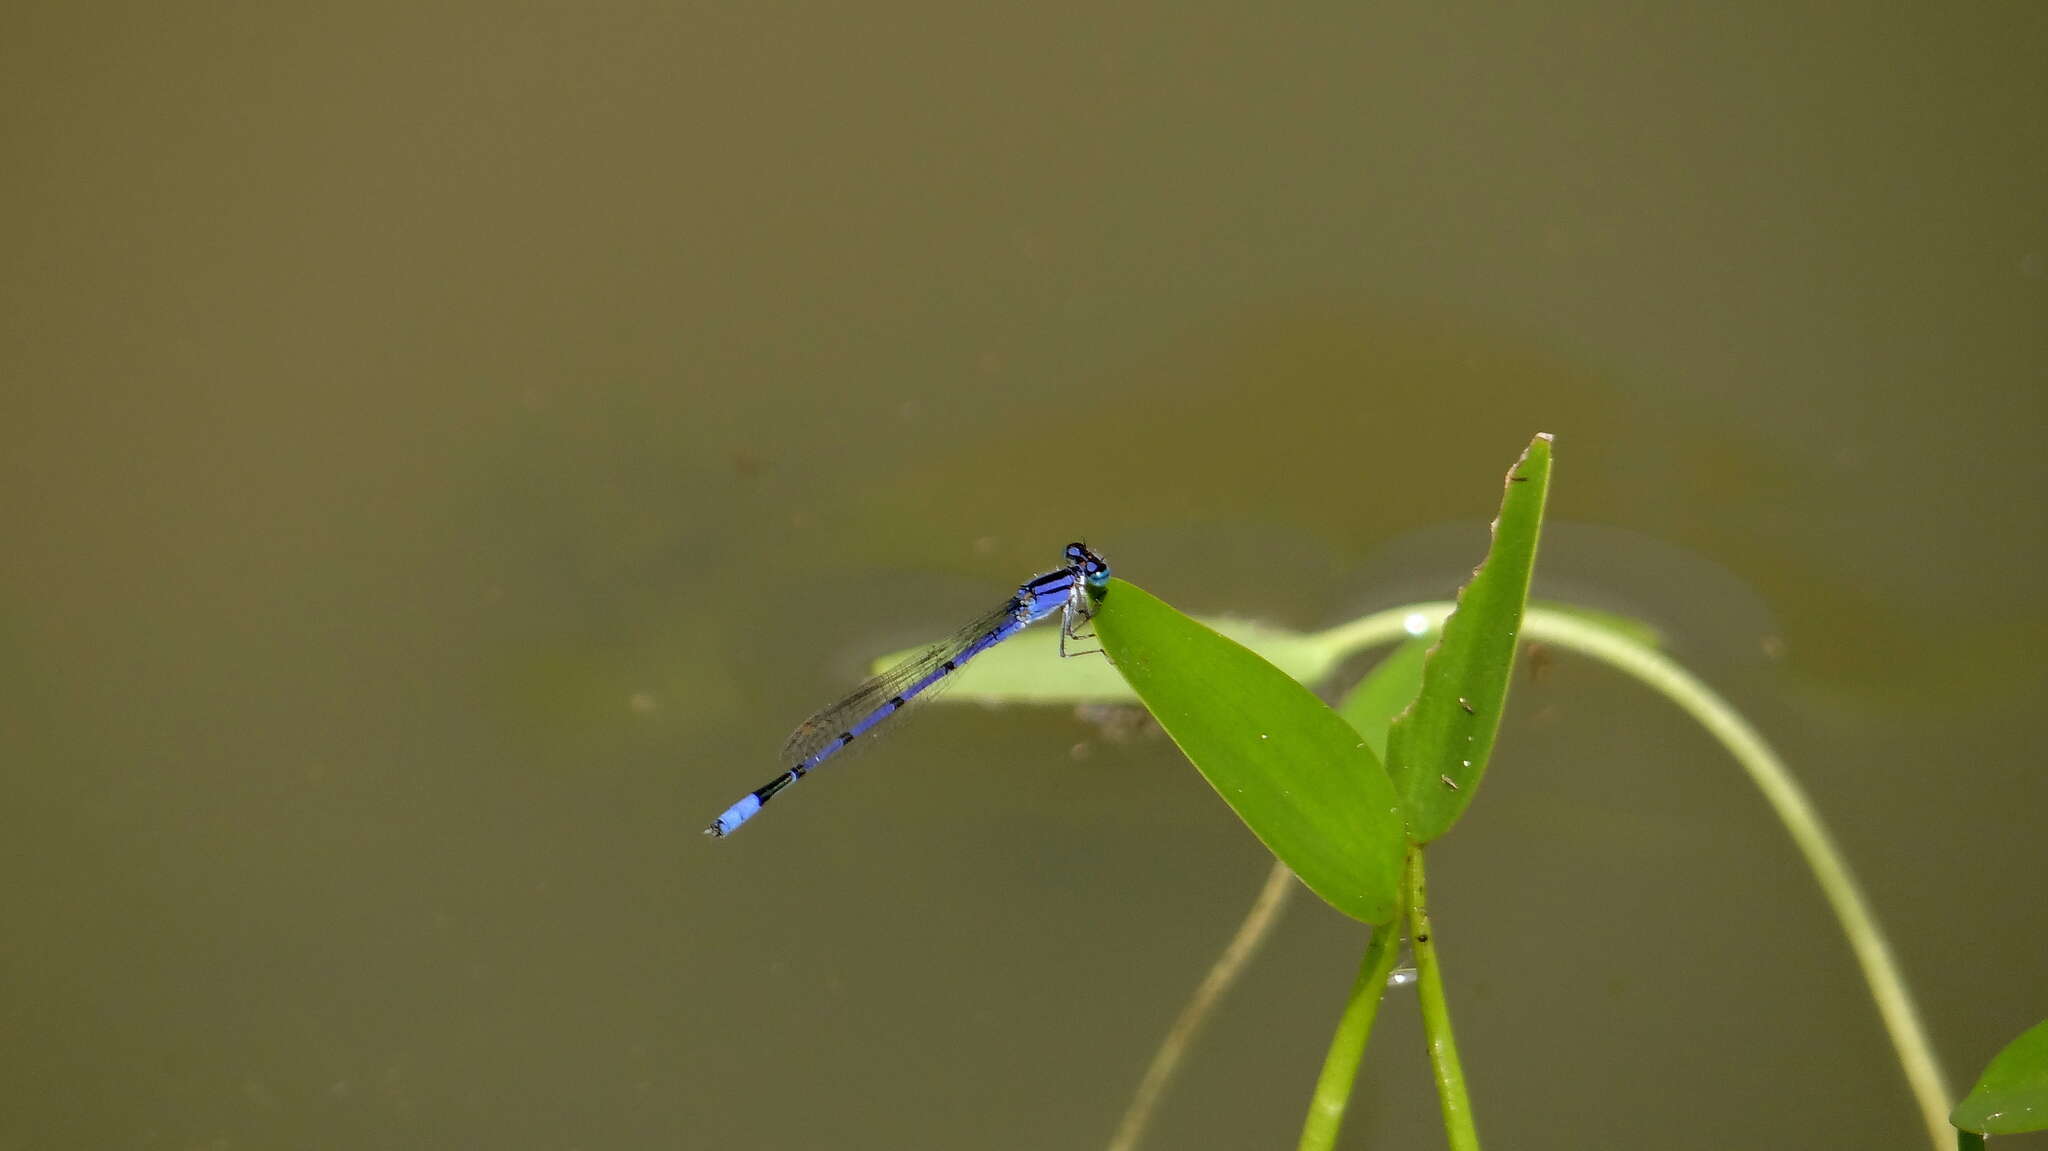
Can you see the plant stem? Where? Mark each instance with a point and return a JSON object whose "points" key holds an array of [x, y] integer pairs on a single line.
{"points": [[1258, 923], [1436, 1013], [1347, 1046]]}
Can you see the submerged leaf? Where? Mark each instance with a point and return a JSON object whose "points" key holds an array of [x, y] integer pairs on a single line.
{"points": [[1027, 668]]}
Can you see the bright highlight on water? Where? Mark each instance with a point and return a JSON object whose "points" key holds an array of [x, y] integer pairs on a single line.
{"points": [[1070, 590]]}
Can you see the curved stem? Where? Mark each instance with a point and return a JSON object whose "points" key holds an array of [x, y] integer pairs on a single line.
{"points": [[1787, 799], [1347, 1046], [1844, 895], [1370, 631], [1451, 1094], [1258, 923]]}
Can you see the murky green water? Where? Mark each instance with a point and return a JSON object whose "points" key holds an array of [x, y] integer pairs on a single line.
{"points": [[446, 450]]}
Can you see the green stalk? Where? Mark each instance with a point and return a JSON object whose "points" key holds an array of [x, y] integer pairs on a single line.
{"points": [[1436, 1013], [1347, 1046]]}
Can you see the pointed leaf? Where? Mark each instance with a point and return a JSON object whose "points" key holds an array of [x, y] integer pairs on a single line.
{"points": [[1437, 750], [1291, 768]]}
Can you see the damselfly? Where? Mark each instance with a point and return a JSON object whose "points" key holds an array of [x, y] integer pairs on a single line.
{"points": [[1070, 590]]}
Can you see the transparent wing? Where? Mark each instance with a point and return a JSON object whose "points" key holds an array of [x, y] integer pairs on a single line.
{"points": [[917, 677]]}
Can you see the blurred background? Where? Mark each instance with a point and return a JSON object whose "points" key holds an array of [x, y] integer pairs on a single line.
{"points": [[446, 448]]}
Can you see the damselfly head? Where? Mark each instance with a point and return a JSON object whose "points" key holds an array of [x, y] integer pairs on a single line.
{"points": [[1094, 569]]}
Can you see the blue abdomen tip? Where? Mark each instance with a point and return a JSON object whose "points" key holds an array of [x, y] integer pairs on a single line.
{"points": [[735, 815]]}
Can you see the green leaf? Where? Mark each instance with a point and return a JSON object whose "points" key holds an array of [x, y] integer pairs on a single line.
{"points": [[1390, 687], [2011, 1097], [1292, 769], [1437, 750], [1027, 668]]}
